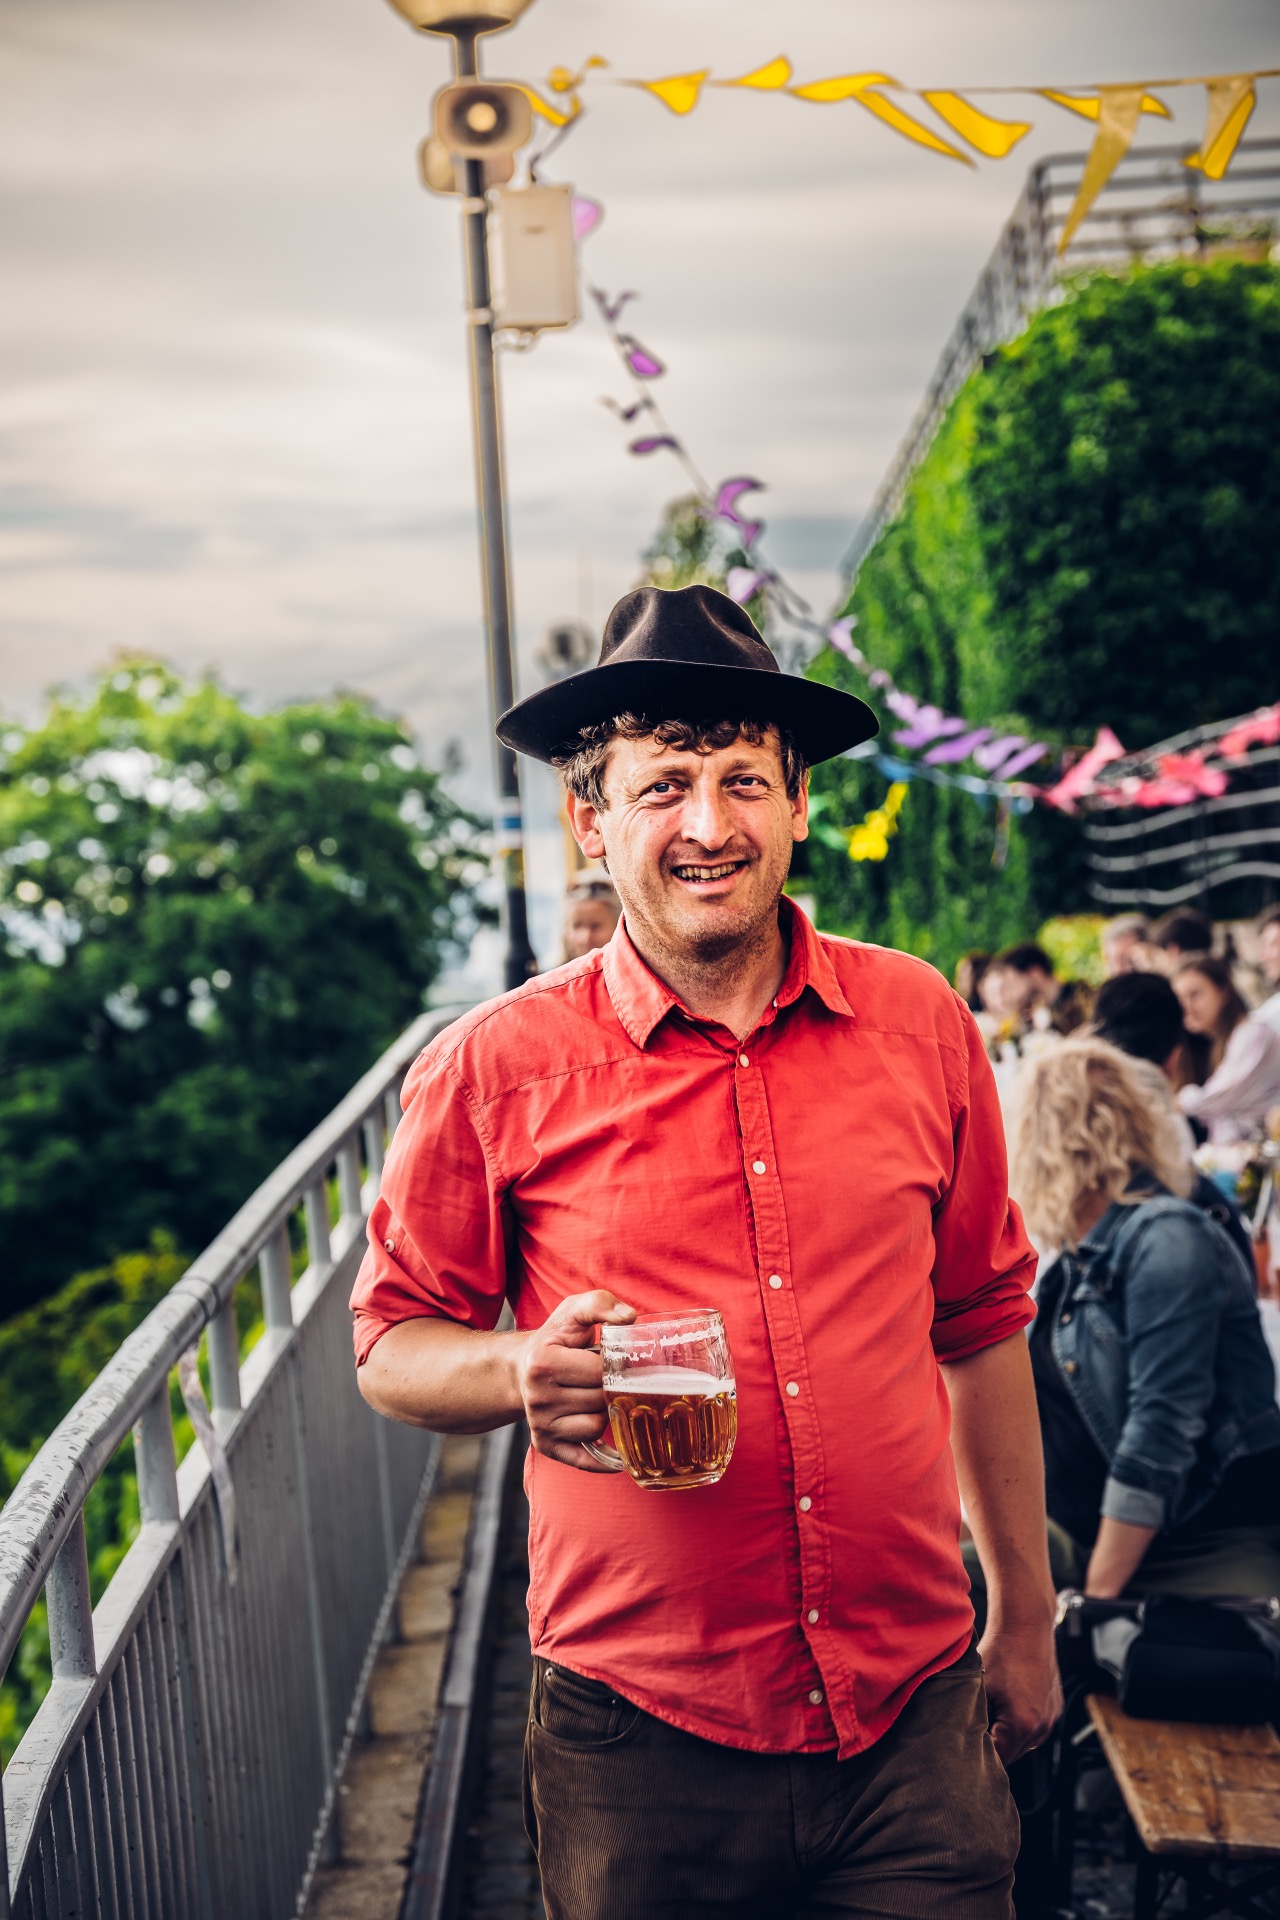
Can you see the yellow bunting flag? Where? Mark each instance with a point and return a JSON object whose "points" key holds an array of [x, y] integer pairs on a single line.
{"points": [[565, 80], [1119, 110], [992, 137], [861, 87], [1089, 105], [770, 78], [545, 110], [1231, 102], [869, 840], [680, 92]]}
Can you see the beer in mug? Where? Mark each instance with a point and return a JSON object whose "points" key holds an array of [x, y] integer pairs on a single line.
{"points": [[673, 1408]]}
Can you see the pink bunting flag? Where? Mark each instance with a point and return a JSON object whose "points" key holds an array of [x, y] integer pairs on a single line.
{"points": [[1260, 729], [1019, 762], [652, 442], [626, 413], [839, 636], [742, 582], [611, 310], [1079, 780], [587, 215], [930, 724]]}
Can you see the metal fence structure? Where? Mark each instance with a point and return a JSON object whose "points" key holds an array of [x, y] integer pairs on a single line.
{"points": [[185, 1760], [1222, 852], [1153, 207]]}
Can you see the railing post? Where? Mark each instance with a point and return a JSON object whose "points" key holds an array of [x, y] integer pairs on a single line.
{"points": [[350, 1206], [316, 1207], [224, 1365], [71, 1609], [374, 1133], [275, 1265], [154, 1460]]}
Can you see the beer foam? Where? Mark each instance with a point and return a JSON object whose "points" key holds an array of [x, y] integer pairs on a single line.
{"points": [[678, 1380]]}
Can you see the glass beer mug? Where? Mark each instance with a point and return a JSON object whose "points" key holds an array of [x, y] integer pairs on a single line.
{"points": [[673, 1404]]}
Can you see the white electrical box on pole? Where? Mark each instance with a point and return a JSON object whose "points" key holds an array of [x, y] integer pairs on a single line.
{"points": [[535, 269]]}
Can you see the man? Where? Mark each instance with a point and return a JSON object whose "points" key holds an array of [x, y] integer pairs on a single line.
{"points": [[1124, 943], [592, 911], [1033, 990], [1182, 935], [1269, 955], [759, 1699]]}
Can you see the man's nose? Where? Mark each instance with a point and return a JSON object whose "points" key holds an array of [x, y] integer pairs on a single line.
{"points": [[706, 817]]}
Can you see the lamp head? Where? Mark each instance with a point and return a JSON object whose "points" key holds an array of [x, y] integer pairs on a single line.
{"points": [[463, 18]]}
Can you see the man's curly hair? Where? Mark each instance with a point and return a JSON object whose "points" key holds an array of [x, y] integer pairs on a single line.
{"points": [[582, 766]]}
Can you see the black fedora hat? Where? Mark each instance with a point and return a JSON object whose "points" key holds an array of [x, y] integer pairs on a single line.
{"points": [[686, 653]]}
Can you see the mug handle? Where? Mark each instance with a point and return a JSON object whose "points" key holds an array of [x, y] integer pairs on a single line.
{"points": [[607, 1456]]}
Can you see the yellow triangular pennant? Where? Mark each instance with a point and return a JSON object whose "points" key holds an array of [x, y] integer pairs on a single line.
{"points": [[542, 108], [1119, 110], [1231, 102], [993, 137], [861, 87], [1089, 105], [679, 92], [767, 79]]}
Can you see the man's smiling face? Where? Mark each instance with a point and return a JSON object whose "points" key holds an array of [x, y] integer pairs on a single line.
{"points": [[697, 844]]}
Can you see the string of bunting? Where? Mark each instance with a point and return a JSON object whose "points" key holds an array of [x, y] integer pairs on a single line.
{"points": [[946, 739], [1115, 109]]}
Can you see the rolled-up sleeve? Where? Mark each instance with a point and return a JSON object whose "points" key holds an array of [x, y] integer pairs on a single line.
{"points": [[984, 1263], [439, 1234]]}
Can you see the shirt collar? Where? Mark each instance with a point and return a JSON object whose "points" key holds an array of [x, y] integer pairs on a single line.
{"points": [[641, 1000]]}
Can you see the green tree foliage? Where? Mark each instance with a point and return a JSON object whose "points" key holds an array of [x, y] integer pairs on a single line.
{"points": [[212, 922], [1093, 537], [49, 1355]]}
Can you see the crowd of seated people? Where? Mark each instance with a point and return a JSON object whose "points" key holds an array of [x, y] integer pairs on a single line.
{"points": [[1154, 1377]]}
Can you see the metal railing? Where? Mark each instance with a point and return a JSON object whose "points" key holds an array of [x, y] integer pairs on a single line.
{"points": [[1152, 207], [184, 1763]]}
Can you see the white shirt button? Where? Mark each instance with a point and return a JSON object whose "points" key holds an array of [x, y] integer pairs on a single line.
{"points": [[815, 1696], [792, 1388], [743, 1060], [775, 1281], [805, 1503], [757, 1166], [389, 1244], [812, 1616]]}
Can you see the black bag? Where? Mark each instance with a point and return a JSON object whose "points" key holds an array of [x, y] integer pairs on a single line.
{"points": [[1196, 1660]]}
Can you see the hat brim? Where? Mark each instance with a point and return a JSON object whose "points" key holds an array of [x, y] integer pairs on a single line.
{"points": [[822, 720]]}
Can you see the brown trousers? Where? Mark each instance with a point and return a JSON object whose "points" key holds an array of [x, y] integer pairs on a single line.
{"points": [[634, 1820]]}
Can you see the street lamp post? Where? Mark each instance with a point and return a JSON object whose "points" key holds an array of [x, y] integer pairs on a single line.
{"points": [[464, 23]]}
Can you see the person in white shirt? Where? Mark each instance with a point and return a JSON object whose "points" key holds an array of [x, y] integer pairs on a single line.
{"points": [[1269, 953], [1244, 1078]]}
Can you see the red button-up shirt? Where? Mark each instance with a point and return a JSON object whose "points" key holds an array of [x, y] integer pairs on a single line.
{"points": [[835, 1184]]}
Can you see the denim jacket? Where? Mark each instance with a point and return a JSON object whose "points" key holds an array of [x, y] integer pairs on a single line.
{"points": [[1158, 1339]]}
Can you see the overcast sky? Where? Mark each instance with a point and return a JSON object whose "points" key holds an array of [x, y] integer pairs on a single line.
{"points": [[233, 409]]}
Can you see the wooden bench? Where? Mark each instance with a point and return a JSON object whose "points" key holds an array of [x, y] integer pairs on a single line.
{"points": [[1200, 1797]]}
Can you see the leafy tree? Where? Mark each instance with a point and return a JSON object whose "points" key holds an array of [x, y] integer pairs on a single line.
{"points": [[212, 922], [1093, 537]]}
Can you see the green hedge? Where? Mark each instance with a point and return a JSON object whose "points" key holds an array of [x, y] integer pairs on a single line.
{"points": [[1093, 537]]}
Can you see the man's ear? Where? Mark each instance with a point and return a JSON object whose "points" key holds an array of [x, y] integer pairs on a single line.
{"points": [[800, 812], [584, 825]]}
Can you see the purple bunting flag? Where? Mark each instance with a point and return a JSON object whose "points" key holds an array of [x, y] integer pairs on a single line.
{"points": [[652, 443], [742, 582], [644, 365], [626, 413]]}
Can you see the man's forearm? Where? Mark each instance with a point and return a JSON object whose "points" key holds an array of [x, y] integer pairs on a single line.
{"points": [[995, 1441], [1117, 1554], [452, 1379]]}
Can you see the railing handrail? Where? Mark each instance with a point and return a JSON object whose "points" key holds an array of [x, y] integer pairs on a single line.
{"points": [[1024, 271], [47, 1500]]}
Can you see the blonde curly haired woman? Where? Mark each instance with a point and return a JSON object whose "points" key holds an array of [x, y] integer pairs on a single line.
{"points": [[1155, 1385]]}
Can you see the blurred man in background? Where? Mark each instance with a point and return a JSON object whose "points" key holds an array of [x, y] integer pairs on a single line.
{"points": [[592, 911], [1123, 941]]}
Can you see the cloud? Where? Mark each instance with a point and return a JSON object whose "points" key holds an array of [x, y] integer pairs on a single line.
{"points": [[233, 413]]}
